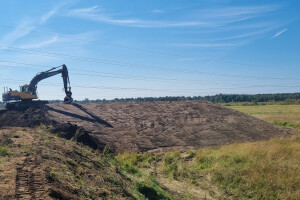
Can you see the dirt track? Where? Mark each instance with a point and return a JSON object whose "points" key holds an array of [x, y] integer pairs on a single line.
{"points": [[147, 126]]}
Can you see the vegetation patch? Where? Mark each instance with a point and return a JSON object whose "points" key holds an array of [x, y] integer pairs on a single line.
{"points": [[152, 192], [5, 139], [3, 151], [259, 170], [287, 124]]}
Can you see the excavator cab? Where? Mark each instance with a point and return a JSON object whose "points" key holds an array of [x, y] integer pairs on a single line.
{"points": [[24, 88]]}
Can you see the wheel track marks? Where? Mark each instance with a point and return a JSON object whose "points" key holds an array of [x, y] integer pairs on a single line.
{"points": [[30, 178]]}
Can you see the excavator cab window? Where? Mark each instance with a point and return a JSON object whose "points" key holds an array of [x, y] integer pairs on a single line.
{"points": [[24, 88]]}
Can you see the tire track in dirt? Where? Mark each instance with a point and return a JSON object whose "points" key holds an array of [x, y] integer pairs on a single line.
{"points": [[30, 178]]}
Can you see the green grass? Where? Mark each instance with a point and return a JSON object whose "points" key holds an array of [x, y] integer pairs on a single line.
{"points": [[153, 191], [135, 166], [259, 170], [262, 170], [3, 151], [281, 115], [287, 124]]}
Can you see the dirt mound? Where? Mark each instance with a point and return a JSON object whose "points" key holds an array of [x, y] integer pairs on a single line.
{"points": [[147, 126], [28, 118]]}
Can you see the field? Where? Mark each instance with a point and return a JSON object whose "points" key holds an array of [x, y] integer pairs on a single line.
{"points": [[282, 115], [38, 162]]}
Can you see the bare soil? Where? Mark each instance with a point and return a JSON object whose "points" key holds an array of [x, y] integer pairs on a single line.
{"points": [[147, 126], [39, 165]]}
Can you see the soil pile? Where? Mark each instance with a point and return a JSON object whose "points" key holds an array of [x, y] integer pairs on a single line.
{"points": [[147, 126]]}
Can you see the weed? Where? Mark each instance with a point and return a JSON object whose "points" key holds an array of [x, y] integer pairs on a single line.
{"points": [[3, 151], [41, 129], [204, 161], [170, 165], [128, 167], [151, 192], [130, 162], [286, 124], [5, 140], [88, 165], [107, 152], [25, 150], [190, 154], [53, 175]]}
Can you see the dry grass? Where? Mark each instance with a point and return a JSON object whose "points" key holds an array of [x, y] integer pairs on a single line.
{"points": [[261, 170]]}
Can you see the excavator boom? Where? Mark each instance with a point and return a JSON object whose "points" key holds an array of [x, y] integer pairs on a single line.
{"points": [[24, 97]]}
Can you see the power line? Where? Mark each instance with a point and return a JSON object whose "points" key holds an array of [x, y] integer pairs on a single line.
{"points": [[135, 78], [133, 65], [160, 79], [145, 89], [99, 42], [132, 48]]}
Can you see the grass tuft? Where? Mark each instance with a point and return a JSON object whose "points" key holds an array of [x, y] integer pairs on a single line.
{"points": [[3, 151], [152, 192]]}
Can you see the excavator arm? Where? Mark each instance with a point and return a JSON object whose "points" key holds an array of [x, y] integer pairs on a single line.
{"points": [[52, 72]]}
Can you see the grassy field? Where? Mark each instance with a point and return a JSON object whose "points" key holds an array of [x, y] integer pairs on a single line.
{"points": [[260, 170], [282, 115]]}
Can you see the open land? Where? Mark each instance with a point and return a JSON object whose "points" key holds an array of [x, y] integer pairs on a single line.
{"points": [[147, 126], [36, 163], [282, 115]]}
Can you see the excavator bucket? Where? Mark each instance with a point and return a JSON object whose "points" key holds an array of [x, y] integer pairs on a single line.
{"points": [[68, 100]]}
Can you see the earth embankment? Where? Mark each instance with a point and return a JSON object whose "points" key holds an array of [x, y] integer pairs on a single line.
{"points": [[147, 126]]}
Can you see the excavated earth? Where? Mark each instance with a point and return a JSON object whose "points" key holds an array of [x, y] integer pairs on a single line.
{"points": [[146, 126]]}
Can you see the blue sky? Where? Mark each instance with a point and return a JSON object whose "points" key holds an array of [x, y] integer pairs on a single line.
{"points": [[136, 48]]}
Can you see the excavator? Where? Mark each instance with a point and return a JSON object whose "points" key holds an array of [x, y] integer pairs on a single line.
{"points": [[23, 99]]}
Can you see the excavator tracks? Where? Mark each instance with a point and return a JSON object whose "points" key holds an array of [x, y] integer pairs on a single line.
{"points": [[23, 105], [30, 179]]}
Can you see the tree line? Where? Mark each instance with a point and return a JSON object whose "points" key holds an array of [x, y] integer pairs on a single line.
{"points": [[219, 98]]}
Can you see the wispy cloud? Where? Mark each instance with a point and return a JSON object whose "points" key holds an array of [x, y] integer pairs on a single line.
{"points": [[279, 33], [26, 27], [80, 39], [95, 14], [237, 11], [157, 11], [48, 15], [40, 44], [209, 18], [23, 29], [213, 45]]}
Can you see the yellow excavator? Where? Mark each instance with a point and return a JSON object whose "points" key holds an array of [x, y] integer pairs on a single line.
{"points": [[23, 99]]}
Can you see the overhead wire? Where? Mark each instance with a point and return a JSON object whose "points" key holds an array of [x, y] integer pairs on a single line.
{"points": [[132, 65], [144, 89], [130, 78], [142, 66], [132, 48]]}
